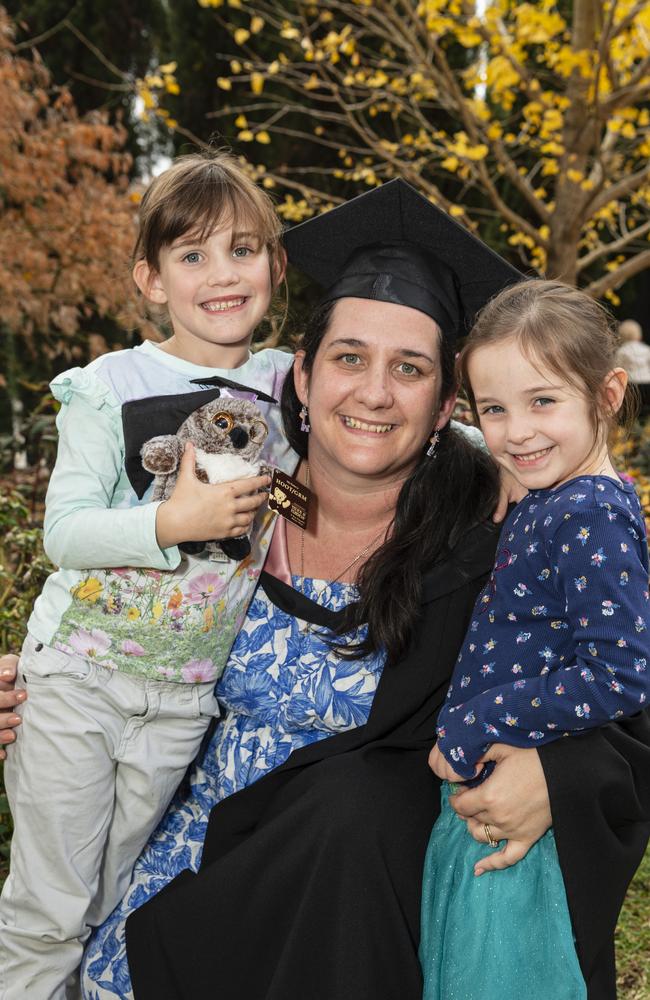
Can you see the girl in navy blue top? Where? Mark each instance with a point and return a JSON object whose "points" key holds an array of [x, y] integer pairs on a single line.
{"points": [[558, 641]]}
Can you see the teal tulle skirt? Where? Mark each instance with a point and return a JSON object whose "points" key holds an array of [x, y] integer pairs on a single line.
{"points": [[502, 936]]}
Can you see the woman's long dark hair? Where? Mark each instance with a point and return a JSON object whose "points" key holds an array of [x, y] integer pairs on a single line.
{"points": [[438, 503]]}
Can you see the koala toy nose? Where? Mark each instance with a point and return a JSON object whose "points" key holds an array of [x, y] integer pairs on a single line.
{"points": [[239, 437]]}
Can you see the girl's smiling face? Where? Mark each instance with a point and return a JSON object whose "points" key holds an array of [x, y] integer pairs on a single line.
{"points": [[374, 391], [216, 290], [537, 425]]}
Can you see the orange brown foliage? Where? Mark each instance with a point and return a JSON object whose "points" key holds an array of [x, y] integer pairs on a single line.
{"points": [[67, 221]]}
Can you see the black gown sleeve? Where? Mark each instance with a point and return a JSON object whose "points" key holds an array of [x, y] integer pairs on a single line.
{"points": [[311, 878], [599, 787]]}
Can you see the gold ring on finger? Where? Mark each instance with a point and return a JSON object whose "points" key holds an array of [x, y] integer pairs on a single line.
{"points": [[490, 836]]}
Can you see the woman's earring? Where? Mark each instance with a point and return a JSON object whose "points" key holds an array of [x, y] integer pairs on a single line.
{"points": [[433, 443], [304, 420]]}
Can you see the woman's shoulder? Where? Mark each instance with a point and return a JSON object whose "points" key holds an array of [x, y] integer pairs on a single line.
{"points": [[469, 560]]}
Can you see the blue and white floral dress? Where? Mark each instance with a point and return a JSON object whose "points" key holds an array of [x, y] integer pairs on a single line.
{"points": [[283, 687]]}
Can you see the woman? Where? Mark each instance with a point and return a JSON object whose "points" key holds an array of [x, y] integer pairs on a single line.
{"points": [[310, 877]]}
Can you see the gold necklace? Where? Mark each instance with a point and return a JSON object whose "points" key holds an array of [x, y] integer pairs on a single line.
{"points": [[356, 559]]}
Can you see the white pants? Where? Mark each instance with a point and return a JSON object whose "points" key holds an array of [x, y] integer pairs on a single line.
{"points": [[97, 759]]}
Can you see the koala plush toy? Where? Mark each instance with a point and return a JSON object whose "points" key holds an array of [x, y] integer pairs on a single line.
{"points": [[227, 435]]}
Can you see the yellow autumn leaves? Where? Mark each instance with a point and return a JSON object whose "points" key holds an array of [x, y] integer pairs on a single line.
{"points": [[477, 111], [247, 134], [150, 90]]}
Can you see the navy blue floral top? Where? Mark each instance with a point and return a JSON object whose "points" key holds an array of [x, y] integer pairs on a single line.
{"points": [[559, 639]]}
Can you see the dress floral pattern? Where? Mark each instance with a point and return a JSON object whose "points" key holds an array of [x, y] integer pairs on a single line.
{"points": [[283, 687], [132, 619]]}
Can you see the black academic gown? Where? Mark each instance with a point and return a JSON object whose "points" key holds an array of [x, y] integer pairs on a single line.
{"points": [[310, 882]]}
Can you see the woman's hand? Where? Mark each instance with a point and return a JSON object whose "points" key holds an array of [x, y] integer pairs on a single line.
{"points": [[9, 697], [514, 803]]}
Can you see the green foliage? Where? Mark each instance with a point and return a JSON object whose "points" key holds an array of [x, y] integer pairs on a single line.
{"points": [[640, 445], [23, 565], [633, 938], [5, 836], [23, 569], [36, 435]]}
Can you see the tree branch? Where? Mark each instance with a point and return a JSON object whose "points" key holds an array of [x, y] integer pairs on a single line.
{"points": [[610, 248], [43, 37], [122, 88], [111, 67], [614, 279], [620, 189]]}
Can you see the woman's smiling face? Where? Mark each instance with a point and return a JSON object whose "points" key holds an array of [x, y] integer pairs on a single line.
{"points": [[374, 390]]}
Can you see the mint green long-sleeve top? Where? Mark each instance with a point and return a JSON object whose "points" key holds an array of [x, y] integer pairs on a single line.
{"points": [[118, 598]]}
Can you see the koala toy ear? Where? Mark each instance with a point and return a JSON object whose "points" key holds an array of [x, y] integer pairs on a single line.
{"points": [[161, 454]]}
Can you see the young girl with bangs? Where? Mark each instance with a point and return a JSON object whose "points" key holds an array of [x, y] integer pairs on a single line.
{"points": [[128, 638], [558, 642]]}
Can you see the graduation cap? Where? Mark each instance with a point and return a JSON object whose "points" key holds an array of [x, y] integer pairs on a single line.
{"points": [[143, 419], [393, 245]]}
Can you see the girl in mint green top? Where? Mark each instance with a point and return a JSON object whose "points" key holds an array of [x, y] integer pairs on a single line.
{"points": [[119, 597], [130, 634]]}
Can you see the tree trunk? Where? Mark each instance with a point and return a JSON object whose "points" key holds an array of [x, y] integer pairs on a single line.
{"points": [[562, 255], [580, 132]]}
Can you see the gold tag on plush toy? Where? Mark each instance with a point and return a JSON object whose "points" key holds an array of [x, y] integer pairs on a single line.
{"points": [[289, 498]]}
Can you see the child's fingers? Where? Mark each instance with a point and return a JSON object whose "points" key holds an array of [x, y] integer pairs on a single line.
{"points": [[241, 525], [245, 487], [248, 504], [441, 766], [508, 856], [8, 699], [187, 463]]}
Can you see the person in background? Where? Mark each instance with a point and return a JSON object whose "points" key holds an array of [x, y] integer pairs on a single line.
{"points": [[634, 356]]}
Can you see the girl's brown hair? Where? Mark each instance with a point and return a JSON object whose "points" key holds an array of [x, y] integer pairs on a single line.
{"points": [[197, 194], [561, 328]]}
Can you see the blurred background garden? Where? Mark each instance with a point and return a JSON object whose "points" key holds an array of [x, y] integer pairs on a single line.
{"points": [[528, 122]]}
